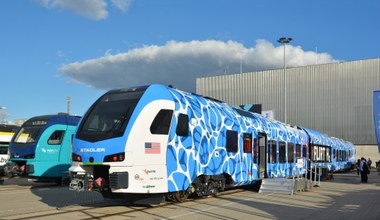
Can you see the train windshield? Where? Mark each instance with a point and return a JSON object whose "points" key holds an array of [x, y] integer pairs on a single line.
{"points": [[30, 130], [3, 148], [109, 116]]}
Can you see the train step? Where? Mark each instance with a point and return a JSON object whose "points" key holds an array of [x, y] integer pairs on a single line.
{"points": [[286, 186]]}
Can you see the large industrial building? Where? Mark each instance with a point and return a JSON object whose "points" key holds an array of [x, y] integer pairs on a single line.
{"points": [[334, 98]]}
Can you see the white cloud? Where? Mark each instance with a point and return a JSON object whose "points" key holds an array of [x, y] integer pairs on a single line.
{"points": [[180, 63], [122, 5], [92, 9]]}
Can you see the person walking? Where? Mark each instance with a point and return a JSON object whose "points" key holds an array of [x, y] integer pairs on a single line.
{"points": [[369, 163], [357, 165], [364, 171]]}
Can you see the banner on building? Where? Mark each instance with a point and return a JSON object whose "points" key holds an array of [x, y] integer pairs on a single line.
{"points": [[376, 115]]}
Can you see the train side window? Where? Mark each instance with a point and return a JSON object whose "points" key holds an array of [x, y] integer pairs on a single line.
{"points": [[3, 148], [255, 148], [337, 155], [183, 125], [232, 141], [161, 123], [290, 152], [304, 151], [344, 155], [314, 153], [282, 152], [322, 153], [272, 151], [56, 137], [247, 142], [328, 156], [298, 151]]}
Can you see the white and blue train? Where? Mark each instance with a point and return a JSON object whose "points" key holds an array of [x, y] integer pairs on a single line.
{"points": [[159, 140]]}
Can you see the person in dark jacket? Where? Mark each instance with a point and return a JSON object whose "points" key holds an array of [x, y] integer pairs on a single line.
{"points": [[357, 166], [364, 171], [369, 163]]}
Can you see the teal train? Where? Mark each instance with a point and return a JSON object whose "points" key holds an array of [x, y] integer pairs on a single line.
{"points": [[42, 147]]}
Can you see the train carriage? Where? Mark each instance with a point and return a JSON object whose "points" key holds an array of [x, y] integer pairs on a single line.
{"points": [[287, 149], [155, 140], [162, 140], [6, 133], [320, 149], [351, 154], [343, 158]]}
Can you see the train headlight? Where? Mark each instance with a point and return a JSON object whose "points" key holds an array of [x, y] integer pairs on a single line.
{"points": [[114, 157], [29, 156], [76, 157]]}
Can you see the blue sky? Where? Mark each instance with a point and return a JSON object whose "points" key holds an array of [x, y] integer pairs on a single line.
{"points": [[53, 49]]}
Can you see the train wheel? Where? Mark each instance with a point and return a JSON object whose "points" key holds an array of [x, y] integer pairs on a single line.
{"points": [[9, 175], [181, 196]]}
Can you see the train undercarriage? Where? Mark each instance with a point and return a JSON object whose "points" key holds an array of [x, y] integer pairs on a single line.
{"points": [[12, 169], [101, 181], [203, 186]]}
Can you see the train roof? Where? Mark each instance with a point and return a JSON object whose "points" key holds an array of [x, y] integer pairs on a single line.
{"points": [[129, 89], [317, 137], [271, 127], [9, 128], [60, 118], [342, 144]]}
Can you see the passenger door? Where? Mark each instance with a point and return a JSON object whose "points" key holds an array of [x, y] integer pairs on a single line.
{"points": [[262, 139], [48, 150]]}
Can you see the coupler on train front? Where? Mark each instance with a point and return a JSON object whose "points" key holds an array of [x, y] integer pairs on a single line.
{"points": [[12, 169], [84, 180]]}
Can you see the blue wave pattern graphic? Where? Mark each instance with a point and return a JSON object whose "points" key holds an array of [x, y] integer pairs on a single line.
{"points": [[204, 152]]}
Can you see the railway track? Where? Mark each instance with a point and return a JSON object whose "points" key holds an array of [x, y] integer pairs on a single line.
{"points": [[48, 202], [332, 200], [22, 183]]}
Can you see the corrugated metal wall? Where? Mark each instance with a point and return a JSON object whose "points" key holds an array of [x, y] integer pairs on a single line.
{"points": [[334, 98]]}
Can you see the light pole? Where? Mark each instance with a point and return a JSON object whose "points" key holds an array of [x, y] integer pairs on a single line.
{"points": [[3, 115], [68, 102], [284, 41]]}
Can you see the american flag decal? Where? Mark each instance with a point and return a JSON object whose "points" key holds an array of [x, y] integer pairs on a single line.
{"points": [[152, 148]]}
